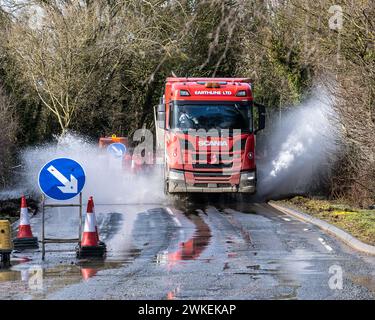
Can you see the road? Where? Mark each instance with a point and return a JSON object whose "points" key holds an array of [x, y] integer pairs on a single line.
{"points": [[201, 249]]}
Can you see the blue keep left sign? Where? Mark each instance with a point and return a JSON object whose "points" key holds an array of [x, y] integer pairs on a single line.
{"points": [[117, 150], [62, 179]]}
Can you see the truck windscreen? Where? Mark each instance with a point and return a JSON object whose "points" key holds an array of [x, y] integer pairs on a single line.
{"points": [[211, 116]]}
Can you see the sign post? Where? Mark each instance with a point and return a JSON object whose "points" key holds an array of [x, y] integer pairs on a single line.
{"points": [[61, 179]]}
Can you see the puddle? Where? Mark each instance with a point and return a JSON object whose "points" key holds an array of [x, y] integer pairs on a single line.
{"points": [[29, 277], [192, 248], [26, 279]]}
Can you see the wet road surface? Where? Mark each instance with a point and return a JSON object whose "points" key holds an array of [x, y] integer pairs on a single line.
{"points": [[191, 250]]}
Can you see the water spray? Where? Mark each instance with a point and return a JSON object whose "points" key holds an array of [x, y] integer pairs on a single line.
{"points": [[300, 148]]}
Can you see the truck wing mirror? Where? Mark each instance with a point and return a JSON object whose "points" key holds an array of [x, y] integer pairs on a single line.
{"points": [[261, 116], [161, 116]]}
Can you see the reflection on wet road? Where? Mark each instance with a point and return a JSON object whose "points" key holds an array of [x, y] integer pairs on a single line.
{"points": [[200, 249], [191, 248]]}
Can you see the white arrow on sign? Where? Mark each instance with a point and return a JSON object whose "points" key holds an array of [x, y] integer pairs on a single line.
{"points": [[69, 186], [117, 151]]}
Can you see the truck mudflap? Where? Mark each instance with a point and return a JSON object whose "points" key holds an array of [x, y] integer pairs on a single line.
{"points": [[176, 183]]}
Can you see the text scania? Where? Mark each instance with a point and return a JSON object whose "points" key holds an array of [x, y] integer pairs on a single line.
{"points": [[213, 143], [213, 92], [209, 309]]}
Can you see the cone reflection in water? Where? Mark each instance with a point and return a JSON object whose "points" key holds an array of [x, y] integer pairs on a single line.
{"points": [[88, 273]]}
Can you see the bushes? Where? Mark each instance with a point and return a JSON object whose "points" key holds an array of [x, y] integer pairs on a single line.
{"points": [[8, 131], [98, 67]]}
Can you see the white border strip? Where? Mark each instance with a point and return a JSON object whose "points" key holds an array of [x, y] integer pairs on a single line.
{"points": [[337, 232]]}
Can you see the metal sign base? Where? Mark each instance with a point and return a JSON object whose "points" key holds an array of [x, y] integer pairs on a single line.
{"points": [[45, 240]]}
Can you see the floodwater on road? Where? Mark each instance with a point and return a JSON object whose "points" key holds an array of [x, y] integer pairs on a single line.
{"points": [[191, 249]]}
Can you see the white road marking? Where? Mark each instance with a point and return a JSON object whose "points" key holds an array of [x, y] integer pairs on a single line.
{"points": [[305, 229], [286, 219], [329, 248]]}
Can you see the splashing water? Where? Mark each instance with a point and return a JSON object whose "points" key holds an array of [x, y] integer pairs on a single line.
{"points": [[287, 157], [301, 146], [106, 180], [299, 150]]}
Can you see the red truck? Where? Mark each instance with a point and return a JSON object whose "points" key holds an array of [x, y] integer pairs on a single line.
{"points": [[205, 129]]}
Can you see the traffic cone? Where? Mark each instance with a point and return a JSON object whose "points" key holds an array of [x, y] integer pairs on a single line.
{"points": [[90, 245], [91, 209], [25, 238]]}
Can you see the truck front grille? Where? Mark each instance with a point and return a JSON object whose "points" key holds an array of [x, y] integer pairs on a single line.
{"points": [[212, 165], [207, 178], [219, 185]]}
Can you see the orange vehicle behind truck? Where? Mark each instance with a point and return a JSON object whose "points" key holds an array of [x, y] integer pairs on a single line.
{"points": [[206, 131], [132, 163], [106, 141], [126, 161]]}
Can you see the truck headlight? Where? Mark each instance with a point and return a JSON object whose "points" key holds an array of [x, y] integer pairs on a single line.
{"points": [[176, 175], [248, 176]]}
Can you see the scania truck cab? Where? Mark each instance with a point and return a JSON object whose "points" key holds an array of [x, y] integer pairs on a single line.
{"points": [[205, 130]]}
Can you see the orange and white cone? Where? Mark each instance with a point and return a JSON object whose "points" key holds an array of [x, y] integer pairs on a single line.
{"points": [[24, 229], [90, 244], [90, 235], [25, 238], [91, 209]]}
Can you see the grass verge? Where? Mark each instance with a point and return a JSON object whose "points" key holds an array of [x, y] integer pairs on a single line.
{"points": [[360, 223]]}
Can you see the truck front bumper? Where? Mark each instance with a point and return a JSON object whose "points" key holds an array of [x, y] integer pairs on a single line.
{"points": [[177, 184]]}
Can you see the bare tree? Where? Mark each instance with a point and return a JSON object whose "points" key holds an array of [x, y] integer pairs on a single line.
{"points": [[8, 131], [60, 54]]}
